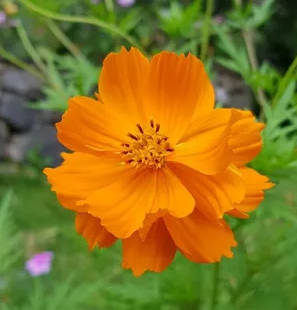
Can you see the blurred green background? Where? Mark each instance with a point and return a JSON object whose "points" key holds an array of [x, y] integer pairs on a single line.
{"points": [[51, 50]]}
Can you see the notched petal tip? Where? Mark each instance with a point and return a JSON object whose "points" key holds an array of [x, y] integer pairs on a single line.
{"points": [[155, 253], [92, 230], [212, 240], [166, 90], [245, 139], [255, 185]]}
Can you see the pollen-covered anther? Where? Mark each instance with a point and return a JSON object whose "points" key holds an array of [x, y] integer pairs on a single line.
{"points": [[148, 147]]}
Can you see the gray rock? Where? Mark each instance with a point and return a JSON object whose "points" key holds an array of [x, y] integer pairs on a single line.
{"points": [[3, 67], [221, 95], [21, 82], [50, 117], [42, 141], [231, 90], [4, 133], [3, 130], [15, 112]]}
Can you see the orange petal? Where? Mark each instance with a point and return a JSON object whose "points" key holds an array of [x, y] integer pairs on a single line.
{"points": [[245, 139], [214, 195], [177, 85], [149, 220], [121, 83], [155, 253], [91, 229], [122, 205], [200, 240], [204, 147], [216, 119], [81, 175], [255, 185], [172, 195], [88, 126], [238, 214]]}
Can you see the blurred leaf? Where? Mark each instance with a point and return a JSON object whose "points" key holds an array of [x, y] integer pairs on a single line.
{"points": [[260, 14], [10, 243], [70, 76], [68, 294], [53, 5], [250, 16], [179, 21], [237, 57], [279, 150], [130, 20], [265, 78], [229, 64]]}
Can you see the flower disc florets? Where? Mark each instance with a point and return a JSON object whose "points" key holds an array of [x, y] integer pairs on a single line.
{"points": [[148, 147]]}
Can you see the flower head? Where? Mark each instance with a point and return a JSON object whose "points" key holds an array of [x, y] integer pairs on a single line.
{"points": [[154, 164], [39, 264], [125, 3]]}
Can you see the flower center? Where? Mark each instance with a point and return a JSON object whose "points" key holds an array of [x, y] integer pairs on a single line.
{"points": [[148, 147]]}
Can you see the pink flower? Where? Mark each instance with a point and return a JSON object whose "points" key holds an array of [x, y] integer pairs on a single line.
{"points": [[125, 3], [39, 264], [3, 17]]}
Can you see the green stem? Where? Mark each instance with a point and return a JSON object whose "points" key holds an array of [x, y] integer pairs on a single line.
{"points": [[206, 29], [80, 19], [216, 272], [250, 47], [285, 81], [19, 63], [247, 35], [60, 35], [29, 48], [109, 5]]}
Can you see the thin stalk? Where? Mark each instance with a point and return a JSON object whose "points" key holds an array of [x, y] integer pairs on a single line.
{"points": [[80, 19], [60, 35], [216, 273], [19, 63], [206, 31], [109, 5], [29, 48], [250, 47], [252, 55]]}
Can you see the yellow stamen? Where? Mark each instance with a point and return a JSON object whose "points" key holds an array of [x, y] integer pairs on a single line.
{"points": [[149, 148]]}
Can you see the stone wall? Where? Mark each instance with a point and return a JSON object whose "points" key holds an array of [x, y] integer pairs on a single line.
{"points": [[24, 130]]}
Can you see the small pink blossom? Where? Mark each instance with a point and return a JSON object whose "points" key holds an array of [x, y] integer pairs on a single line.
{"points": [[125, 3], [3, 17], [39, 264]]}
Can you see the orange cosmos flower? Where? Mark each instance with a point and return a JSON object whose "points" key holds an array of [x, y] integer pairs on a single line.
{"points": [[154, 164]]}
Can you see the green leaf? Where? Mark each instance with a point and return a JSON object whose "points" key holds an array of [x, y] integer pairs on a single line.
{"points": [[79, 78], [131, 20], [9, 239]]}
